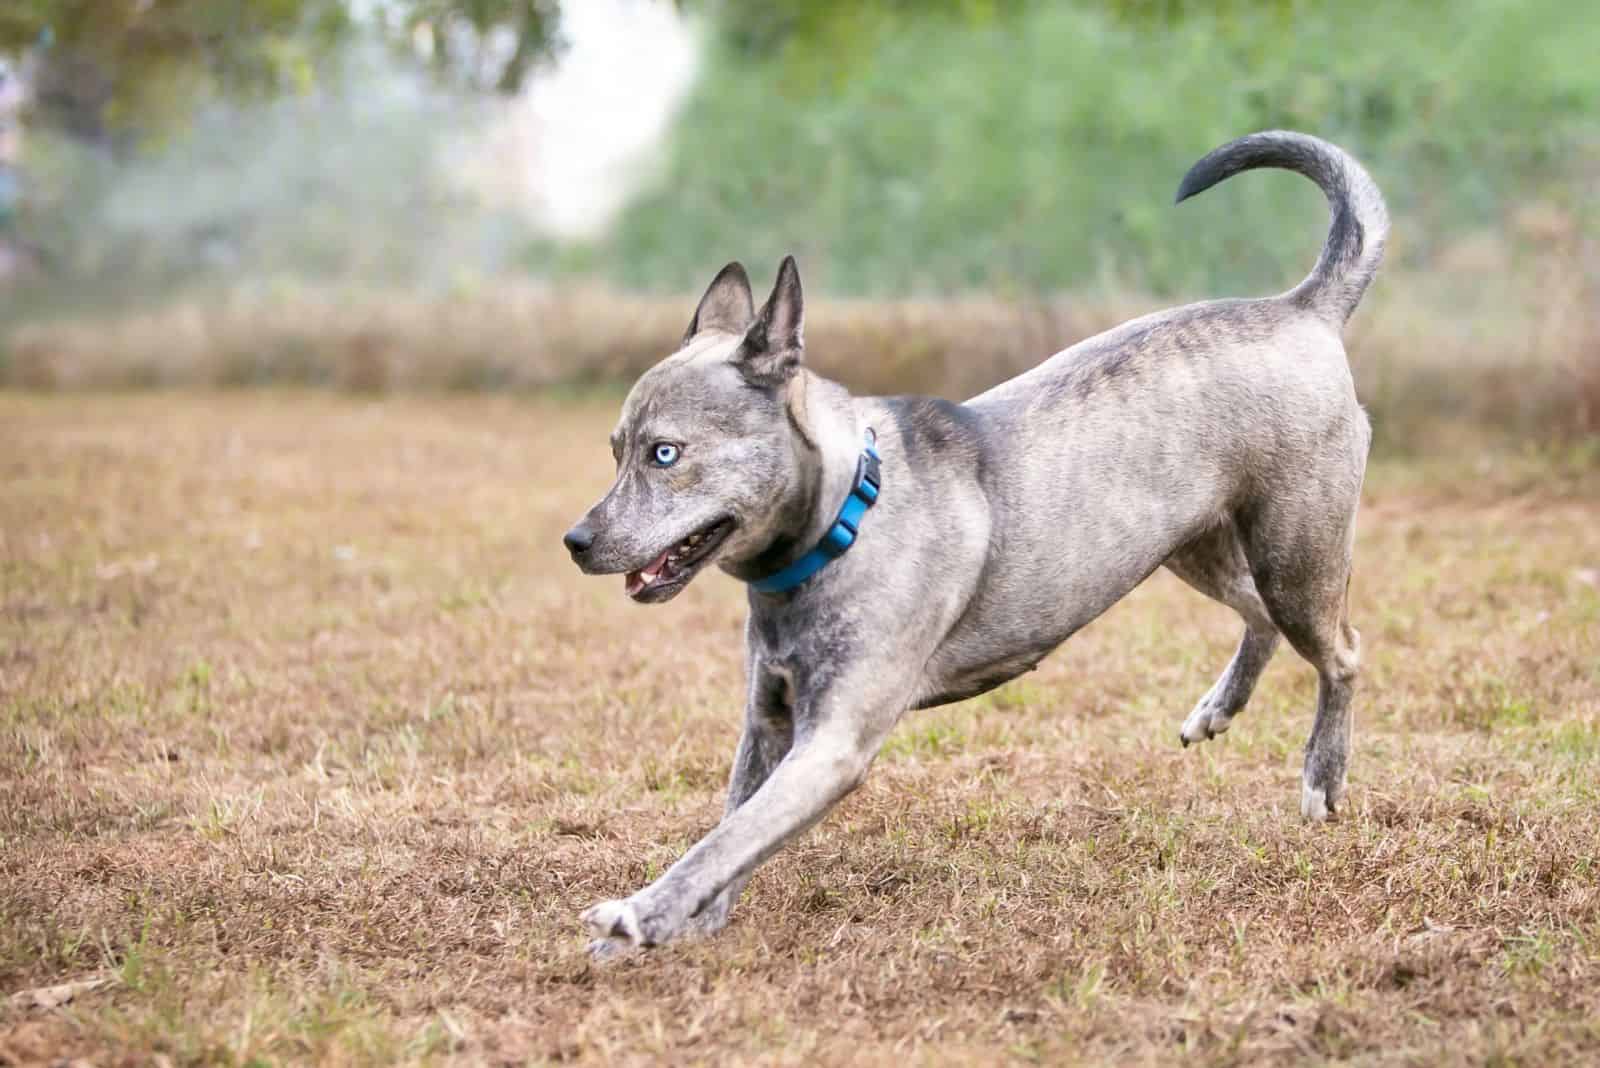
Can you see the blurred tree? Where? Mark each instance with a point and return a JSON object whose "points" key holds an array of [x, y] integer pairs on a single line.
{"points": [[820, 44], [842, 27], [106, 71], [1169, 12], [823, 42], [109, 72], [482, 44]]}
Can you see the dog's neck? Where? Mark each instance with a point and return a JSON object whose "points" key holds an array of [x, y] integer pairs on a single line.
{"points": [[826, 444]]}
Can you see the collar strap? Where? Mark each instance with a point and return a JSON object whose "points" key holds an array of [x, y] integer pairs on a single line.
{"points": [[837, 541]]}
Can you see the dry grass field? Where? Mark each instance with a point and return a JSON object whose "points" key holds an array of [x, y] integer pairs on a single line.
{"points": [[313, 745]]}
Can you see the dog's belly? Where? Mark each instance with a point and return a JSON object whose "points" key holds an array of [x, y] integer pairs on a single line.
{"points": [[1013, 624], [946, 687]]}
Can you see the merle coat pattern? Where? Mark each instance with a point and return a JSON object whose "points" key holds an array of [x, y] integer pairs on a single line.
{"points": [[1222, 440]]}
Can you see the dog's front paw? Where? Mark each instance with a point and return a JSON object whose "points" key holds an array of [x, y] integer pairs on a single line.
{"points": [[607, 950], [615, 926]]}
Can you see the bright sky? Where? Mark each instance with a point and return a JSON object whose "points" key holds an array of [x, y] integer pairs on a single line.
{"points": [[582, 134]]}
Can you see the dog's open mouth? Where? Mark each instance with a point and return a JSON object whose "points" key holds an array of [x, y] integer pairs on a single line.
{"points": [[671, 571]]}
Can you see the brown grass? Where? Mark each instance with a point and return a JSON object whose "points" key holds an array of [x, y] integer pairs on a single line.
{"points": [[1510, 342], [513, 336], [314, 746]]}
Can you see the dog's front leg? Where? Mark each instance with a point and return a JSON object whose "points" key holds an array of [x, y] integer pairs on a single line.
{"points": [[768, 735], [821, 768]]}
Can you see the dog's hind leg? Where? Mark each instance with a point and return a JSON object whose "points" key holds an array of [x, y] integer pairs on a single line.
{"points": [[1300, 547], [1215, 564]]}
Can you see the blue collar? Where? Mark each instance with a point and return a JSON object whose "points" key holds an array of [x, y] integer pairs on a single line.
{"points": [[837, 541]]}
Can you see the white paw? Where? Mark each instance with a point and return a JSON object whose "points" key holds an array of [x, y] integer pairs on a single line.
{"points": [[1313, 803], [1206, 721], [615, 925]]}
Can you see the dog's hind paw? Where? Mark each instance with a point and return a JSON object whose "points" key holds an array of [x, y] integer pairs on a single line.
{"points": [[1314, 803], [615, 926], [1208, 720]]}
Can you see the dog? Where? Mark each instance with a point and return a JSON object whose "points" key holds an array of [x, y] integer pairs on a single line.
{"points": [[905, 552]]}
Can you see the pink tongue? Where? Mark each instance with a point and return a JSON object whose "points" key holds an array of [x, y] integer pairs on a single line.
{"points": [[635, 581]]}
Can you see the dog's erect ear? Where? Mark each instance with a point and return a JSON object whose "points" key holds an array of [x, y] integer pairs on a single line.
{"points": [[775, 343], [727, 305]]}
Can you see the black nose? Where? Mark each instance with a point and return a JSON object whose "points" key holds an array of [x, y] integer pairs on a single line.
{"points": [[578, 540]]}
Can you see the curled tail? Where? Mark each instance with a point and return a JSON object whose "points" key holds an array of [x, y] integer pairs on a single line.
{"points": [[1360, 222]]}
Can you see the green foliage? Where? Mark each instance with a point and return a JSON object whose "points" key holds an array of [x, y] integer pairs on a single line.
{"points": [[840, 29], [1038, 147]]}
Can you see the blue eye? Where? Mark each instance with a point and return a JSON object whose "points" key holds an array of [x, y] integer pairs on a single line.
{"points": [[664, 454]]}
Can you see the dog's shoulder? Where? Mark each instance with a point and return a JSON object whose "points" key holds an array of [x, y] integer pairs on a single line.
{"points": [[932, 438], [932, 426]]}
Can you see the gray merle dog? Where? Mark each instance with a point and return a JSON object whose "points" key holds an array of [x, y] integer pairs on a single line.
{"points": [[904, 552]]}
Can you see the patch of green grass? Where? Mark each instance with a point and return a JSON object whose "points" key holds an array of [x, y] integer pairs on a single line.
{"points": [[932, 737]]}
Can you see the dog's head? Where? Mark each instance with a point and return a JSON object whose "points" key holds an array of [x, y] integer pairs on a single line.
{"points": [[712, 447]]}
